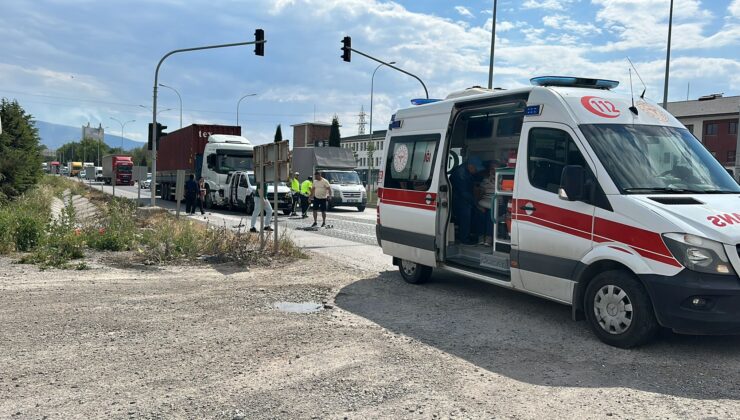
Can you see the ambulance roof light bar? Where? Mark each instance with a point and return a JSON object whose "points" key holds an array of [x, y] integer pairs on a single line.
{"points": [[567, 81]]}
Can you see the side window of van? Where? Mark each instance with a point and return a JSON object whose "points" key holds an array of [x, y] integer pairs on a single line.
{"points": [[549, 150], [410, 162]]}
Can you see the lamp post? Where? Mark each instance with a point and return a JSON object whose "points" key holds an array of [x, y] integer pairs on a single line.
{"points": [[668, 58], [123, 124], [493, 44], [239, 102], [178, 97], [372, 85]]}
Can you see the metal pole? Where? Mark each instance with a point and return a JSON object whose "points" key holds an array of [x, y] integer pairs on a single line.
{"points": [[123, 124], [178, 97], [737, 145], [239, 102], [372, 84], [493, 45], [426, 92], [276, 173], [668, 58], [153, 200]]}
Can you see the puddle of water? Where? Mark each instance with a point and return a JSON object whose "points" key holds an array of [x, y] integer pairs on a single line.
{"points": [[298, 308]]}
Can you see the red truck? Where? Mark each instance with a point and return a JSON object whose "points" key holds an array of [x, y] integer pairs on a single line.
{"points": [[119, 167], [210, 151]]}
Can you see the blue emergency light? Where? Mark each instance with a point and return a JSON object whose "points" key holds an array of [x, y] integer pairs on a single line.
{"points": [[566, 81], [423, 101], [533, 110]]}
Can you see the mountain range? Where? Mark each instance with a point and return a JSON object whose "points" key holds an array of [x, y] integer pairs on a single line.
{"points": [[55, 135]]}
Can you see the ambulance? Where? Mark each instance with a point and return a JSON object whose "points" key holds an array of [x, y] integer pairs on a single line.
{"points": [[568, 191]]}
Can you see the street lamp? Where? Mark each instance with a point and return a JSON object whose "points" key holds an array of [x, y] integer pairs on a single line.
{"points": [[123, 124], [239, 102], [493, 44], [372, 84], [668, 58], [158, 112], [178, 97]]}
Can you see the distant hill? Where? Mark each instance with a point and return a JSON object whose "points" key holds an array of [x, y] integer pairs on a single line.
{"points": [[54, 135]]}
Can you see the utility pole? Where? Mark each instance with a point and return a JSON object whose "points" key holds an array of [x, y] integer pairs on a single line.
{"points": [[668, 58], [493, 44]]}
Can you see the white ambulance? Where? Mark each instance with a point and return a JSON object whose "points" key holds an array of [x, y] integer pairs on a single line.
{"points": [[571, 192]]}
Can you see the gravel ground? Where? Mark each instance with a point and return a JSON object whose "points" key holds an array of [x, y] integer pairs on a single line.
{"points": [[207, 342]]}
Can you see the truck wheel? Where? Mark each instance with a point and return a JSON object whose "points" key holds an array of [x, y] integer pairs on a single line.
{"points": [[414, 273], [249, 204], [208, 201], [619, 310], [360, 208]]}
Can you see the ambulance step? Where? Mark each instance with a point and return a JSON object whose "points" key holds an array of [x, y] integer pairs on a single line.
{"points": [[498, 261]]}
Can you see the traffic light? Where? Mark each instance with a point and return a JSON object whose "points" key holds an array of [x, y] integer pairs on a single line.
{"points": [[160, 133], [259, 47], [347, 49]]}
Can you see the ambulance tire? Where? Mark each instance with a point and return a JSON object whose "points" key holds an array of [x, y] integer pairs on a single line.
{"points": [[414, 273], [606, 299]]}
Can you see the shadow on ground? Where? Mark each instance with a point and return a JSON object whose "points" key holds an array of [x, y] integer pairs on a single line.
{"points": [[535, 341]]}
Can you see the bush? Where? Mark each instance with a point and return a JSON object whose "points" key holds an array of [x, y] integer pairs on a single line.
{"points": [[22, 222], [117, 230]]}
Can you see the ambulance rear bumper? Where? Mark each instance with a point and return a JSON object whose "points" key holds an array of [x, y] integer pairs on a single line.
{"points": [[696, 303]]}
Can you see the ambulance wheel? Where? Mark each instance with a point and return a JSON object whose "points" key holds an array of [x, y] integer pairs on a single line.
{"points": [[414, 273], [619, 310]]}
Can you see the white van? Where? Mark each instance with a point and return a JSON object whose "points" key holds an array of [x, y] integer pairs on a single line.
{"points": [[571, 192]]}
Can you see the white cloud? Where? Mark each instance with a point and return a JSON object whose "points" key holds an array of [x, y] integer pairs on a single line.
{"points": [[546, 4], [734, 8], [464, 12], [567, 24]]}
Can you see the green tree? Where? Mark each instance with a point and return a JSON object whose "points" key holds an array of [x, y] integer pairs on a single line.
{"points": [[278, 134], [86, 150], [20, 151], [139, 156], [334, 136]]}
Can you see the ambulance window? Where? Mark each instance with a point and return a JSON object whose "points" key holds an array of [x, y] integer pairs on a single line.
{"points": [[410, 162], [549, 151]]}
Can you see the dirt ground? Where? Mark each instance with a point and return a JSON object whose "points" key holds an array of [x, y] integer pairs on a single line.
{"points": [[208, 342]]}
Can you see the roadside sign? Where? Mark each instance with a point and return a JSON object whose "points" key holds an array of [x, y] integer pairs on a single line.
{"points": [[271, 164]]}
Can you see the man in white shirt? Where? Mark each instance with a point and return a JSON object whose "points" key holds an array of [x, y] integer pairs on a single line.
{"points": [[320, 195]]}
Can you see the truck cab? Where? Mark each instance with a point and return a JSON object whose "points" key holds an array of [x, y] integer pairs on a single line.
{"points": [[222, 155], [571, 192], [241, 186]]}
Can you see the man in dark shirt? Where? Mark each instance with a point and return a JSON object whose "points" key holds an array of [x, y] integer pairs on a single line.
{"points": [[463, 180], [191, 193]]}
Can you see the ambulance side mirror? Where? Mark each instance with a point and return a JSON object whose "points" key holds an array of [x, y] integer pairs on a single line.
{"points": [[572, 183]]}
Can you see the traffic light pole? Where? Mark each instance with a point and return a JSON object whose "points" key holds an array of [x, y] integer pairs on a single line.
{"points": [[426, 92], [153, 189]]}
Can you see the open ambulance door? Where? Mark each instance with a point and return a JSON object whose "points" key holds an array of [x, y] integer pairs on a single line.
{"points": [[408, 210]]}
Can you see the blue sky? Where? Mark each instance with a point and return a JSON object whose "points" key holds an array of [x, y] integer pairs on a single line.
{"points": [[74, 61]]}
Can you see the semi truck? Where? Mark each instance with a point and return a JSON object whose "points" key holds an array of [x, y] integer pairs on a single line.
{"points": [[337, 165], [74, 168], [208, 151], [118, 167], [54, 167]]}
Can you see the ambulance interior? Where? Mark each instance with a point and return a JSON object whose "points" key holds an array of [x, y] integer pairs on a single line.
{"points": [[480, 171]]}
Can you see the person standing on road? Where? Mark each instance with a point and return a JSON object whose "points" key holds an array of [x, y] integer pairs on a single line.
{"points": [[305, 193], [295, 189], [260, 204], [201, 195], [191, 192], [320, 194]]}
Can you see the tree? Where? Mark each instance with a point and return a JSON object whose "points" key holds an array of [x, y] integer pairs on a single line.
{"points": [[139, 156], [86, 150], [20, 151], [334, 136], [278, 134]]}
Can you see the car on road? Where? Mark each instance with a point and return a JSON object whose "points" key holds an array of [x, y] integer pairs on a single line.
{"points": [[147, 183]]}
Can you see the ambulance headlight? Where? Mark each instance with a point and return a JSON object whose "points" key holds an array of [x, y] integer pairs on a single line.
{"points": [[699, 254]]}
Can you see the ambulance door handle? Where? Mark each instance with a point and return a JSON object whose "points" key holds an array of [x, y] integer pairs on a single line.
{"points": [[528, 207], [443, 203]]}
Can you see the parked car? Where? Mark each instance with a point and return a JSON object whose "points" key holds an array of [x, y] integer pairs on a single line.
{"points": [[147, 183]]}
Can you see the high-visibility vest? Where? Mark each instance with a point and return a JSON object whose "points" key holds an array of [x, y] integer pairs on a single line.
{"points": [[295, 185], [306, 187]]}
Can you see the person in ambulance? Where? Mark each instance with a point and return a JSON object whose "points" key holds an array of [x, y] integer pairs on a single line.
{"points": [[616, 209], [468, 216]]}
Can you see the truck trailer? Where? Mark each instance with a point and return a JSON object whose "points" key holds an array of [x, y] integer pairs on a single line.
{"points": [[337, 165], [208, 151], [118, 167]]}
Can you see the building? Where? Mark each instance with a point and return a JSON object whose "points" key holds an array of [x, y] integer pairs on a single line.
{"points": [[713, 119], [310, 134], [93, 133], [368, 153]]}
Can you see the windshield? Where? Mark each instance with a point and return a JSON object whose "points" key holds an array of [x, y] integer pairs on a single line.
{"points": [[342, 177], [123, 168], [233, 160], [643, 159]]}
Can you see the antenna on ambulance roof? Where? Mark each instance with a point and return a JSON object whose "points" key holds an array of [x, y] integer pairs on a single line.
{"points": [[632, 95], [644, 87]]}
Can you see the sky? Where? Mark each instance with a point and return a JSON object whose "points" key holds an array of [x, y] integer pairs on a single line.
{"points": [[77, 61]]}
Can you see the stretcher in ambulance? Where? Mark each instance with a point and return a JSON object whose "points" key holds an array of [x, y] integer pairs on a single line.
{"points": [[572, 192]]}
